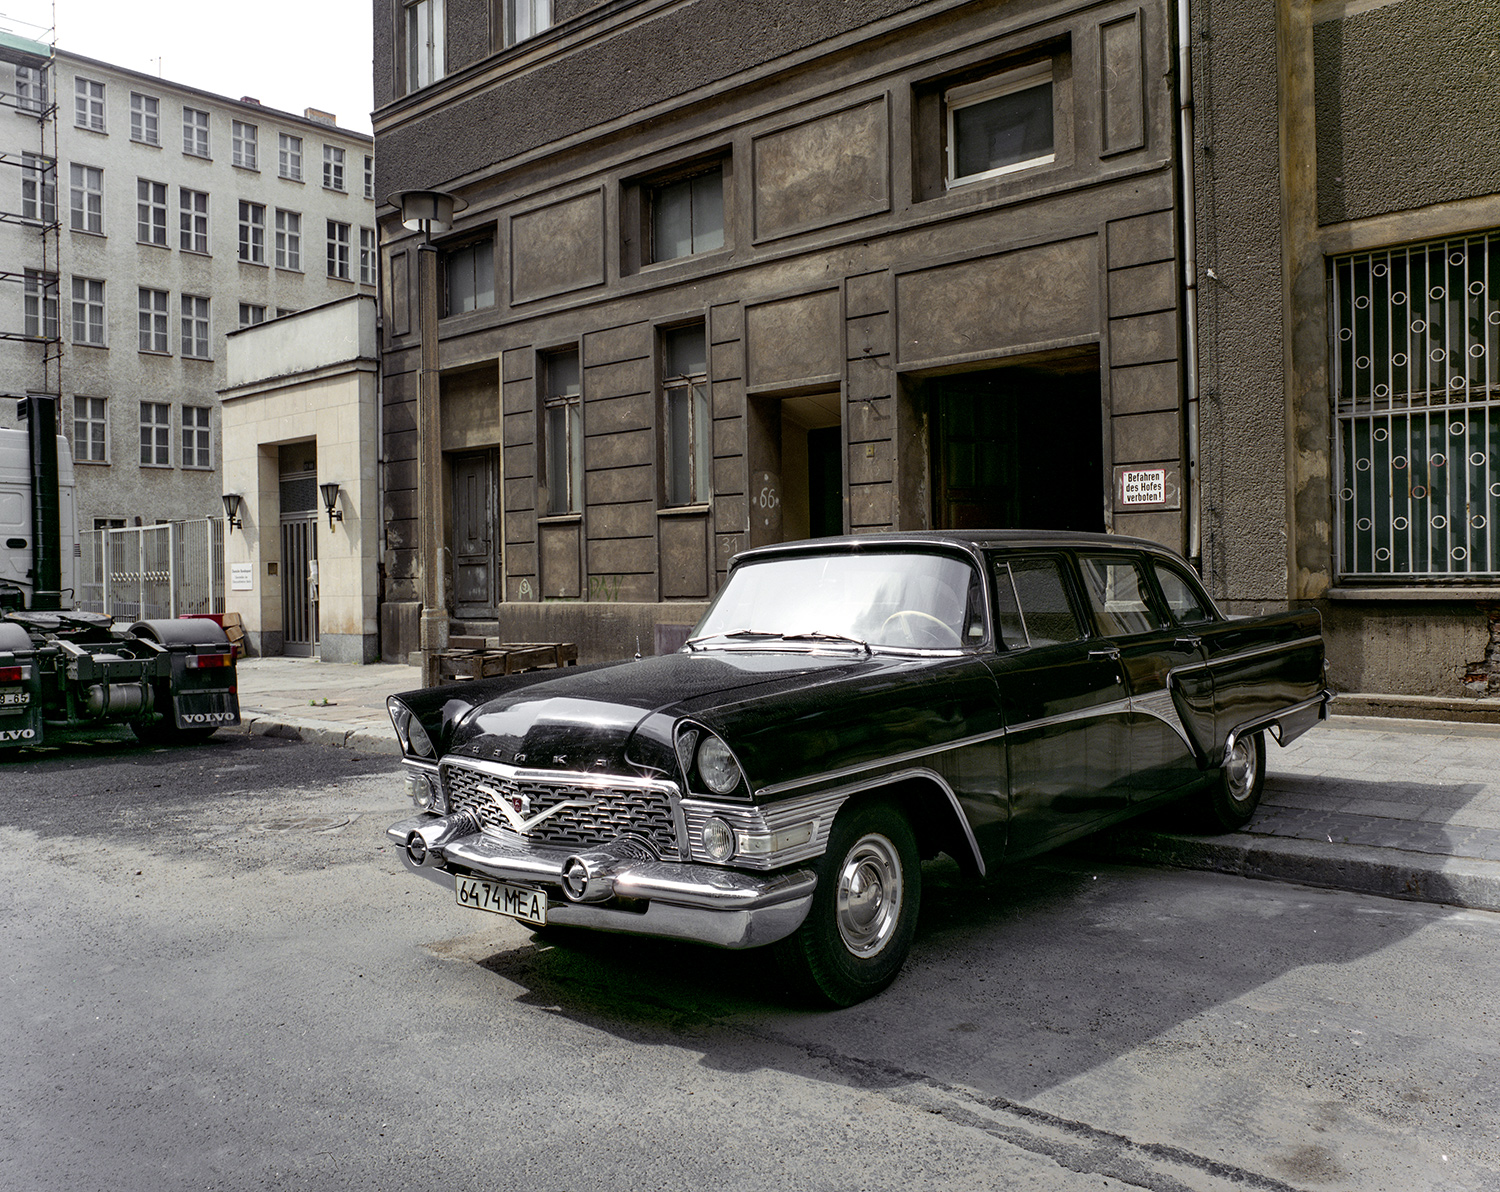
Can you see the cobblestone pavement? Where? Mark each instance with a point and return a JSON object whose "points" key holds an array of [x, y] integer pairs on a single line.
{"points": [[1403, 808]]}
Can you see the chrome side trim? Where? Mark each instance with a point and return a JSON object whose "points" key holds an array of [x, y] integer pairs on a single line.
{"points": [[586, 778], [1160, 706], [1243, 655], [1273, 721], [895, 759]]}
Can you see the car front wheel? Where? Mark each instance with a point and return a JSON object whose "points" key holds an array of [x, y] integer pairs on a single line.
{"points": [[864, 910], [1235, 793]]}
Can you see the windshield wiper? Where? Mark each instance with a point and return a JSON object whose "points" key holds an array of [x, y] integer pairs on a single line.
{"points": [[816, 636], [737, 633]]}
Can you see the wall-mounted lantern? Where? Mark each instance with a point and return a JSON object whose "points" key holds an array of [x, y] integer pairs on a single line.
{"points": [[232, 511], [427, 211], [330, 491]]}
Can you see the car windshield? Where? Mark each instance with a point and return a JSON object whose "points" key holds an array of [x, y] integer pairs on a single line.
{"points": [[892, 599]]}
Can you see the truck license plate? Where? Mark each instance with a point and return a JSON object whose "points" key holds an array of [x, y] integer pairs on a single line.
{"points": [[15, 699], [529, 906]]}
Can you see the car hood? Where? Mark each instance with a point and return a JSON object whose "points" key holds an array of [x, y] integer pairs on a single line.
{"points": [[769, 705]]}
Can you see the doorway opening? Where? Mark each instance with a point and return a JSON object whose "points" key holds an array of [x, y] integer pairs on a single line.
{"points": [[1020, 447], [474, 570], [297, 465], [797, 464]]}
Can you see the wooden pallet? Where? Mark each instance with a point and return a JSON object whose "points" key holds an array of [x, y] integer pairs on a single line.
{"points": [[503, 658]]}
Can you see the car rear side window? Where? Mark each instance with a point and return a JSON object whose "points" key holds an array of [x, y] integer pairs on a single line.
{"points": [[1186, 603], [1117, 591], [1031, 603]]}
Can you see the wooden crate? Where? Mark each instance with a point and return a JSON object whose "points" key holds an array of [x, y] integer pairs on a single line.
{"points": [[503, 658]]}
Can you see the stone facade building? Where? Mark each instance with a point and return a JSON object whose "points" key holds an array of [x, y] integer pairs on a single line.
{"points": [[729, 272], [144, 221]]}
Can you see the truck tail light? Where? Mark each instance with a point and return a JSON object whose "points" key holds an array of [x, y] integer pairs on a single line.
{"points": [[203, 661], [13, 674]]}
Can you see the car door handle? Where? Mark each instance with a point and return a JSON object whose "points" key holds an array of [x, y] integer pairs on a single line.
{"points": [[1187, 642], [1107, 654]]}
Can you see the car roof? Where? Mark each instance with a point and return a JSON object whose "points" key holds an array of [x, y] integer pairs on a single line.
{"points": [[966, 540]]}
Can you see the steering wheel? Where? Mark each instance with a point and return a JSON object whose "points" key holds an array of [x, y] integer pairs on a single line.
{"points": [[937, 633]]}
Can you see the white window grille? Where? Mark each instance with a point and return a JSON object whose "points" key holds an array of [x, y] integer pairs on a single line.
{"points": [[145, 119], [151, 212], [41, 308], [31, 89], [338, 250], [252, 233], [1416, 386], [367, 256], [251, 313], [333, 167], [685, 394], [88, 104], [38, 188], [289, 157], [288, 240], [195, 132], [156, 434], [196, 446], [564, 433], [153, 320], [369, 177], [526, 18], [195, 326], [89, 429], [242, 140], [193, 218], [88, 311], [424, 43], [86, 199]]}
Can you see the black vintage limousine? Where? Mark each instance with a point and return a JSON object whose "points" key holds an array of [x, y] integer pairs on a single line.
{"points": [[846, 708]]}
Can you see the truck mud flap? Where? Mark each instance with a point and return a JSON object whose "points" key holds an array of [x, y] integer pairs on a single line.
{"points": [[20, 727], [205, 709]]}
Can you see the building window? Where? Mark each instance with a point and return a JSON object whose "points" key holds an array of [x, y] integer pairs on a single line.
{"points": [[151, 212], [196, 447], [369, 177], [195, 327], [526, 18], [193, 220], [999, 125], [1416, 385], [563, 428], [338, 250], [88, 104], [333, 167], [153, 320], [31, 89], [469, 277], [156, 434], [687, 215], [145, 119], [424, 43], [41, 311], [88, 311], [251, 314], [86, 199], [38, 188], [367, 256], [252, 233], [289, 157], [685, 414], [242, 145], [195, 132], [288, 240], [90, 445]]}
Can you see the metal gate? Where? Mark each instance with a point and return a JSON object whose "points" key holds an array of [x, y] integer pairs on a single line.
{"points": [[299, 565], [158, 571]]}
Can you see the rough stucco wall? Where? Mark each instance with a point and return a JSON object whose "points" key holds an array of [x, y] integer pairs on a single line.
{"points": [[1408, 107], [468, 33], [1242, 412], [682, 48]]}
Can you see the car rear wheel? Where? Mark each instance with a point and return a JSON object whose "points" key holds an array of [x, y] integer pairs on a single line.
{"points": [[1235, 792], [864, 909]]}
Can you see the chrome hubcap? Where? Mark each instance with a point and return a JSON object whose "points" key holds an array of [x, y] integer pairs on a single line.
{"points": [[1239, 769], [868, 900]]}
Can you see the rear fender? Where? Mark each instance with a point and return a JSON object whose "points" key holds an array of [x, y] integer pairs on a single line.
{"points": [[188, 695]]}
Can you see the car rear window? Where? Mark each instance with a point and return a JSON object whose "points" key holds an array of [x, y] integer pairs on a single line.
{"points": [[1031, 603], [1186, 603], [1118, 590]]}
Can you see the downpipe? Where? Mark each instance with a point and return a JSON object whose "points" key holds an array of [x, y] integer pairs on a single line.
{"points": [[1187, 180]]}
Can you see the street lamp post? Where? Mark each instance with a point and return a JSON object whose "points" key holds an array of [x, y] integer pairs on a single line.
{"points": [[429, 211]]}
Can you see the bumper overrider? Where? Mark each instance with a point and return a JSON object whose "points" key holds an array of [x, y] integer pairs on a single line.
{"points": [[616, 886]]}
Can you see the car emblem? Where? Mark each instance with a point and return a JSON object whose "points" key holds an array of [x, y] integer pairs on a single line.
{"points": [[514, 806]]}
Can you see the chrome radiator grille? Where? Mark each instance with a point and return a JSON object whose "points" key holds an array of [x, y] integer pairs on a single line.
{"points": [[603, 810]]}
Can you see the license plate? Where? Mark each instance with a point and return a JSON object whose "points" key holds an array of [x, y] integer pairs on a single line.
{"points": [[529, 906], [15, 699]]}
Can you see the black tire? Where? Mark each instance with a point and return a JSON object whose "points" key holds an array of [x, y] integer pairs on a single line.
{"points": [[1235, 791], [849, 949]]}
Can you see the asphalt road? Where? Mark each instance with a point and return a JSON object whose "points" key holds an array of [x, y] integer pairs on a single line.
{"points": [[215, 974]]}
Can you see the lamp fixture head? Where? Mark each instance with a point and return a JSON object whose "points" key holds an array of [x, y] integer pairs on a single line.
{"points": [[232, 511], [330, 491], [426, 211]]}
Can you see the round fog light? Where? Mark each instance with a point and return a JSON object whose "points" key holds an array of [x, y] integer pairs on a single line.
{"points": [[718, 840]]}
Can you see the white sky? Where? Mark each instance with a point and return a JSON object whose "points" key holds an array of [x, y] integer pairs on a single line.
{"points": [[289, 54]]}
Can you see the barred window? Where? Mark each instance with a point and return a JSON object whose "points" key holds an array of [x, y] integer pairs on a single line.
{"points": [[1416, 381]]}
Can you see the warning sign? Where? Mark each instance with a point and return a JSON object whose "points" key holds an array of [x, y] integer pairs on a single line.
{"points": [[1145, 487]]}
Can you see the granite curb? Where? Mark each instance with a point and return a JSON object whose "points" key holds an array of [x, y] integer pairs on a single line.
{"points": [[1469, 882], [370, 737]]}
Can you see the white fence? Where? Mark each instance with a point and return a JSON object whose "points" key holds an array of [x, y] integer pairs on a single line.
{"points": [[159, 571]]}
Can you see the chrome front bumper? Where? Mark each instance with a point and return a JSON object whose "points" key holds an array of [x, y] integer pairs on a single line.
{"points": [[615, 890]]}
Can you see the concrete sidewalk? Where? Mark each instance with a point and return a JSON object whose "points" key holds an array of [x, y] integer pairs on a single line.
{"points": [[1401, 808]]}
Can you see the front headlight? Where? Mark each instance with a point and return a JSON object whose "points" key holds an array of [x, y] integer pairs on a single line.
{"points": [[716, 765], [409, 731]]}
